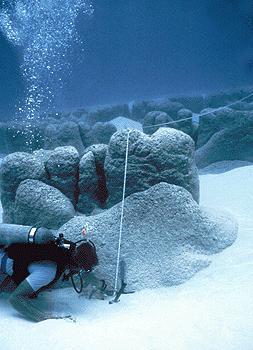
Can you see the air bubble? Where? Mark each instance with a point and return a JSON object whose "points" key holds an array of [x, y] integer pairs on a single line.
{"points": [[45, 30]]}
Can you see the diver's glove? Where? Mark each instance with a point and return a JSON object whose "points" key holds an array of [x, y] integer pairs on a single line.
{"points": [[98, 287]]}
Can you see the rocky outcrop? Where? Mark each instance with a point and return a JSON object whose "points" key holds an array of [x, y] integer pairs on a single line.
{"points": [[227, 144], [166, 237], [92, 182], [99, 151], [184, 117], [193, 103], [79, 135], [88, 184], [140, 109], [212, 123], [166, 156], [62, 166], [18, 136], [224, 98], [51, 132], [58, 168], [223, 166], [154, 120], [41, 205], [95, 181], [87, 126], [107, 112], [65, 134], [82, 181], [15, 168], [199, 102], [98, 133]]}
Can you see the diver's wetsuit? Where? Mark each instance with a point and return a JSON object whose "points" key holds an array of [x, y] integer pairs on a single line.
{"points": [[33, 268]]}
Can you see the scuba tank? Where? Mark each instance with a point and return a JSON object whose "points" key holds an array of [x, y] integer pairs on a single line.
{"points": [[10, 233]]}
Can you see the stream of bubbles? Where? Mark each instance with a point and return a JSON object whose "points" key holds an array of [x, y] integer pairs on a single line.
{"points": [[43, 31]]}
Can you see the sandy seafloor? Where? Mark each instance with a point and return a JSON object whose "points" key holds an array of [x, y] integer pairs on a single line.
{"points": [[213, 310]]}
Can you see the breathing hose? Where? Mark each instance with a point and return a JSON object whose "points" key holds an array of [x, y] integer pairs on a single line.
{"points": [[78, 290]]}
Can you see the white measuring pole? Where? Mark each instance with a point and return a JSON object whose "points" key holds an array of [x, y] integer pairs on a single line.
{"points": [[122, 214]]}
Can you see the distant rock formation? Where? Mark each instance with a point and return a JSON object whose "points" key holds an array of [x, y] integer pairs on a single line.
{"points": [[65, 134], [50, 133], [227, 144], [153, 120], [141, 108], [95, 125]]}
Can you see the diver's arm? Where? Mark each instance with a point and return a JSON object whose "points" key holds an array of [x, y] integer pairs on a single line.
{"points": [[21, 300]]}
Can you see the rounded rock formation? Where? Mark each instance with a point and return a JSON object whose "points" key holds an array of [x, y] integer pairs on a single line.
{"points": [[15, 168], [154, 120], [40, 205], [166, 237], [165, 156]]}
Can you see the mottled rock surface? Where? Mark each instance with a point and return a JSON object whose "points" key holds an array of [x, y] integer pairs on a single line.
{"points": [[141, 108], [227, 144], [15, 168], [62, 167], [153, 120], [166, 237], [166, 156], [63, 134], [107, 112], [92, 182], [100, 133], [41, 205], [88, 184]]}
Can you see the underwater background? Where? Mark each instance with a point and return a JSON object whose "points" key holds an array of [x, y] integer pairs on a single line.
{"points": [[125, 50], [133, 121]]}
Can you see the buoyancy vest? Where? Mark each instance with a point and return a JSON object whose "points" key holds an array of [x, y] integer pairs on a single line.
{"points": [[24, 254]]}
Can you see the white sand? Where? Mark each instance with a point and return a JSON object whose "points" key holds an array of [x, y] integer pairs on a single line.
{"points": [[122, 123], [212, 311]]}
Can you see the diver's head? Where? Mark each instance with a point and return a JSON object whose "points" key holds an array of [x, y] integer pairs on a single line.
{"points": [[85, 256]]}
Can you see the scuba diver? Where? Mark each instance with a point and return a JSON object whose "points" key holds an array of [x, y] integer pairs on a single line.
{"points": [[27, 269]]}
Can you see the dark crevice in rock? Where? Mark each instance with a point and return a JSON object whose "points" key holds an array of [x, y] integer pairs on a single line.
{"points": [[48, 176], [101, 193], [76, 189]]}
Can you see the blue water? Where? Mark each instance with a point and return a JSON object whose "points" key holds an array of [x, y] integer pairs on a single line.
{"points": [[131, 50], [43, 31]]}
